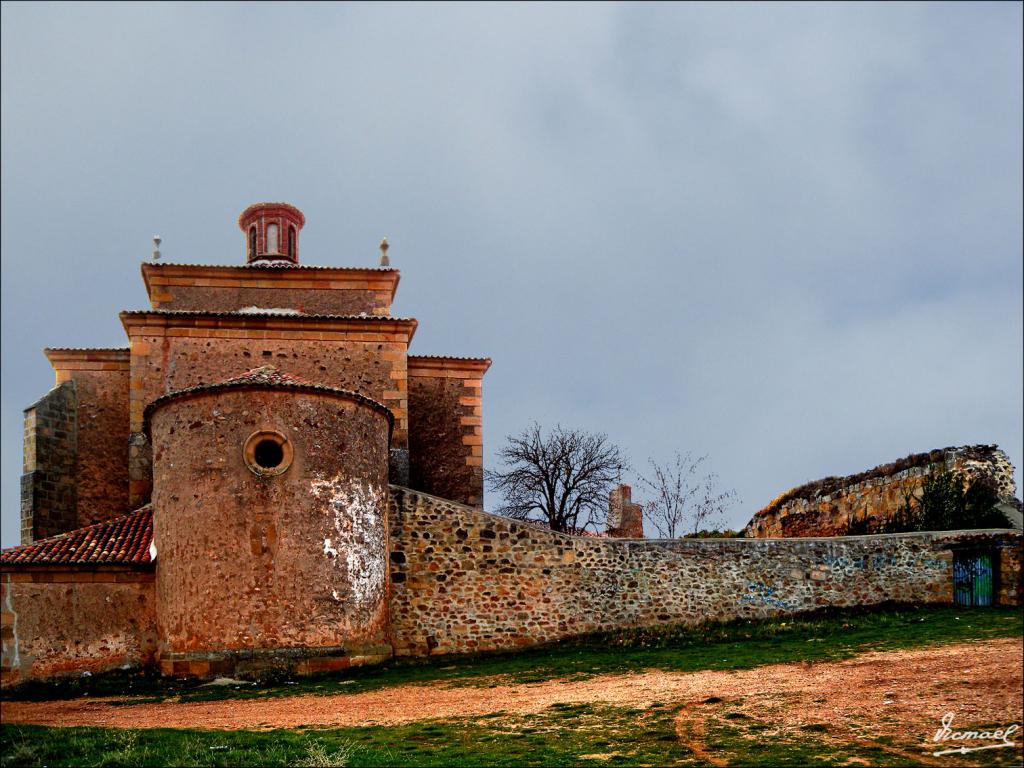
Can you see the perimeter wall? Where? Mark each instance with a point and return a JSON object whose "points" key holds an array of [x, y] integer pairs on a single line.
{"points": [[464, 580]]}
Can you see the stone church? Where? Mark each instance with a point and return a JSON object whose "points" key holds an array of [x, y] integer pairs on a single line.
{"points": [[312, 366], [264, 477]]}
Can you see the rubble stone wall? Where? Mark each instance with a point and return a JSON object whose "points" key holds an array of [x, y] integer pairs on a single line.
{"points": [[163, 360], [464, 580], [309, 300], [71, 619], [256, 569], [49, 480], [102, 451], [446, 428]]}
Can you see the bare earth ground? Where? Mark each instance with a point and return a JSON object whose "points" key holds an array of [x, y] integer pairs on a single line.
{"points": [[898, 694]]}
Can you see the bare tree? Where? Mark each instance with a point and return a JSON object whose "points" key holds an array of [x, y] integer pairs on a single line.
{"points": [[562, 478], [684, 499]]}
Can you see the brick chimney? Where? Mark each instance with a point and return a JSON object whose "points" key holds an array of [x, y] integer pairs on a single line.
{"points": [[625, 519], [271, 232]]}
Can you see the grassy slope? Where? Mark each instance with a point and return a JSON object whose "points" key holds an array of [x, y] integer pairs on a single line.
{"points": [[559, 736], [737, 645]]}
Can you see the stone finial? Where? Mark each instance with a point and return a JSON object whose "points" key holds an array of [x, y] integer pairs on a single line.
{"points": [[156, 247], [384, 260]]}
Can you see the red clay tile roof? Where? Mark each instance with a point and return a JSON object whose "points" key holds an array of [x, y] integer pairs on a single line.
{"points": [[122, 541]]}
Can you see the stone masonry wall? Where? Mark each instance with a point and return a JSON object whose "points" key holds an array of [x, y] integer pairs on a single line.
{"points": [[367, 360], [102, 445], [308, 300], [311, 290], [464, 580], [253, 569], [101, 381], [49, 482], [825, 507], [63, 620], [625, 519], [446, 428]]}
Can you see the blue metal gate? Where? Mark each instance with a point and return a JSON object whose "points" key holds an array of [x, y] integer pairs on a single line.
{"points": [[972, 578]]}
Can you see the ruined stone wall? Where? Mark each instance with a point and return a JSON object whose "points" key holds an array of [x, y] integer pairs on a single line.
{"points": [[825, 507], [625, 519], [446, 427], [277, 569], [463, 580], [69, 619], [49, 482]]}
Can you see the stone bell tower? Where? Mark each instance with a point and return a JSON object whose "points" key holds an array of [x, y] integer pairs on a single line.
{"points": [[271, 232]]}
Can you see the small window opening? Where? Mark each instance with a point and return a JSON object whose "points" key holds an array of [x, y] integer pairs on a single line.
{"points": [[291, 243], [252, 242], [269, 454], [272, 245]]}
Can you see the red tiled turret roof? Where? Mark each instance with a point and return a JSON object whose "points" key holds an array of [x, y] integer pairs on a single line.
{"points": [[122, 541]]}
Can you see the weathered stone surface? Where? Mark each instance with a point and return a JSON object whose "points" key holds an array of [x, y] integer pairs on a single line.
{"points": [[248, 563], [825, 508], [68, 620], [446, 427], [625, 519], [49, 498], [464, 580], [167, 363], [437, 457], [102, 455], [310, 301]]}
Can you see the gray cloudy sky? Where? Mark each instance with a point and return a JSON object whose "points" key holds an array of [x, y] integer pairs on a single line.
{"points": [[789, 236]]}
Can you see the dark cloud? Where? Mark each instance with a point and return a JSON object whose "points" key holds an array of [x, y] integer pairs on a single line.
{"points": [[785, 235]]}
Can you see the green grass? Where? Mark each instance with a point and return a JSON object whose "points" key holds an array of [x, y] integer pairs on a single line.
{"points": [[561, 735], [747, 741], [736, 645]]}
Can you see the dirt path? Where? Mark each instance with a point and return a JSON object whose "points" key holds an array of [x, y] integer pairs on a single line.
{"points": [[872, 695]]}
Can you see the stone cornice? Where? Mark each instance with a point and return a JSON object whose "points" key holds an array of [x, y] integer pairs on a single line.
{"points": [[102, 359], [267, 276], [436, 365], [251, 321]]}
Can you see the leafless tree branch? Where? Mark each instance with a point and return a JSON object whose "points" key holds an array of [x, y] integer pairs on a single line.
{"points": [[562, 478], [683, 499]]}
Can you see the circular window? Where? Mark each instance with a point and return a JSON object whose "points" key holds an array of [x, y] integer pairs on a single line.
{"points": [[267, 452]]}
